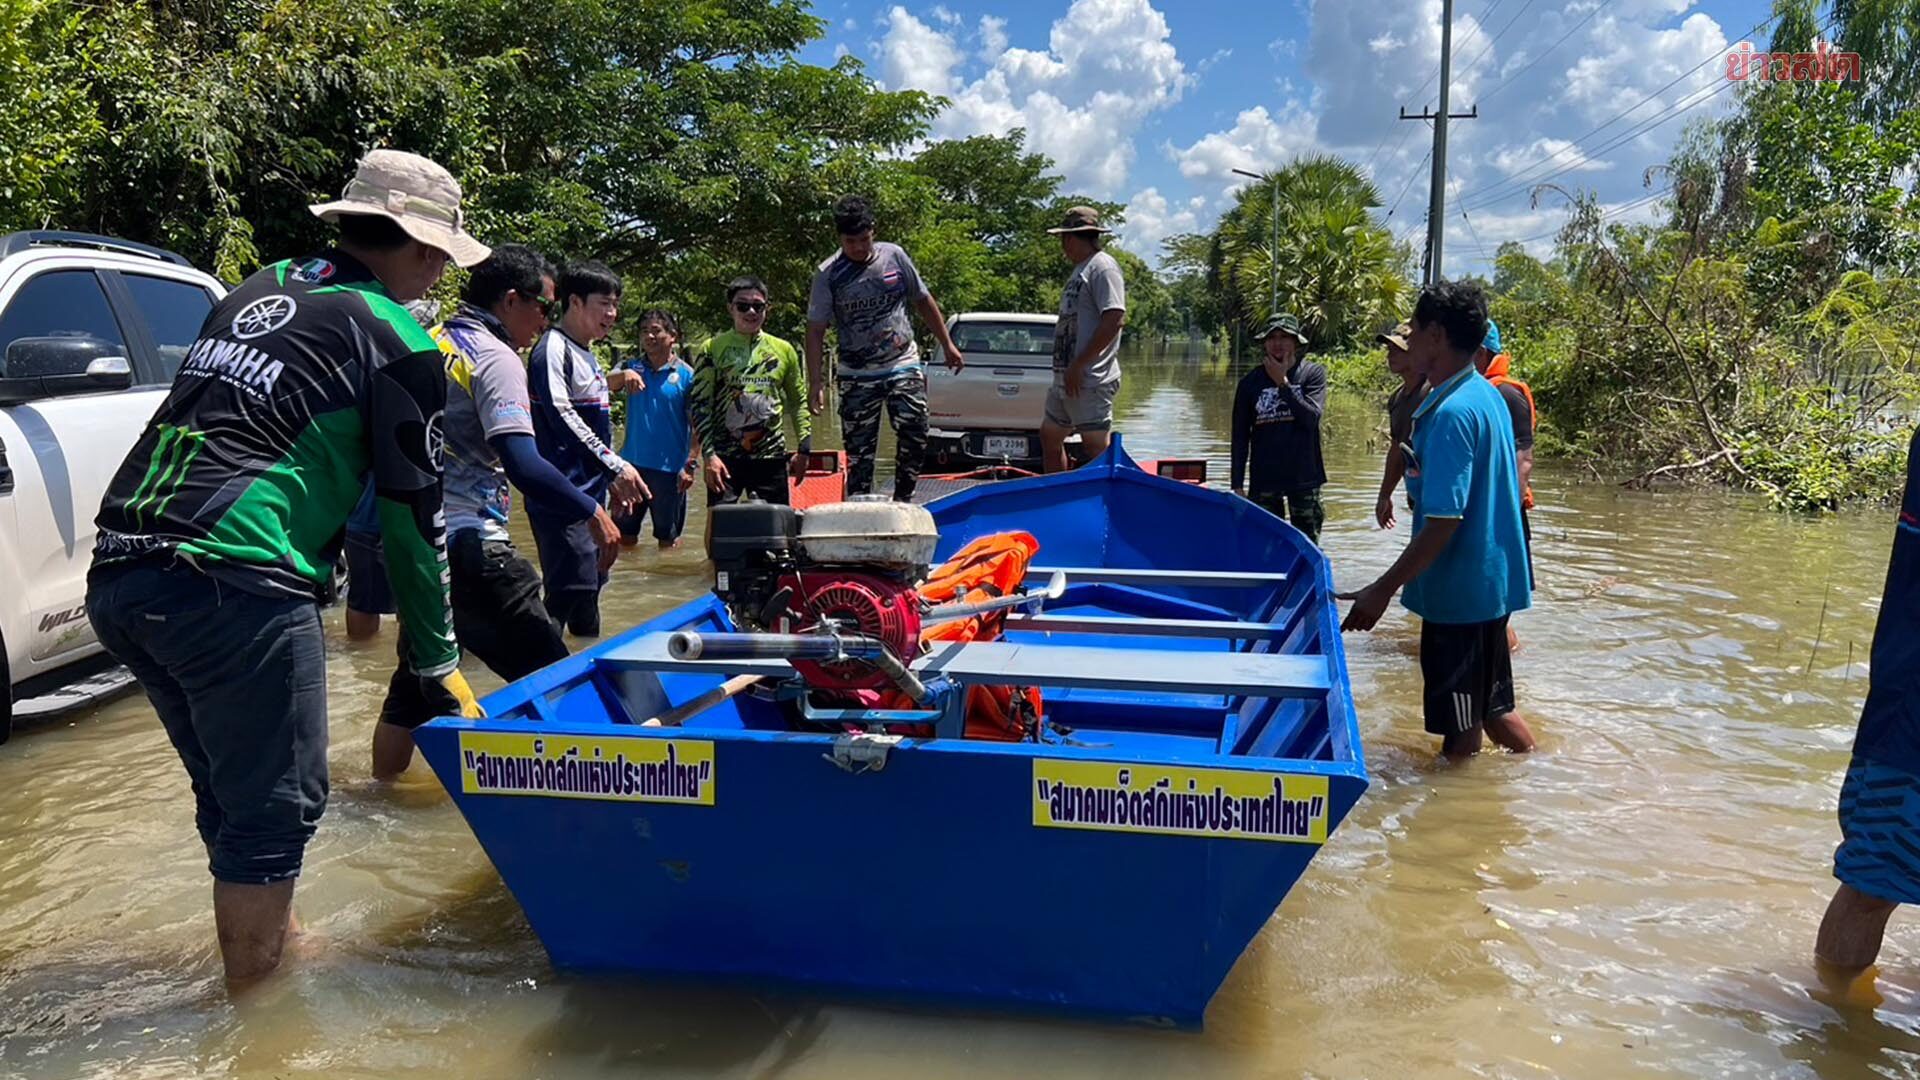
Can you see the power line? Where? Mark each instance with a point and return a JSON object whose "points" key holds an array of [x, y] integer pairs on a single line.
{"points": [[1431, 76], [1488, 47], [1517, 182], [1471, 231], [1504, 83], [1477, 26], [1406, 134], [1500, 193], [1604, 214], [1411, 177]]}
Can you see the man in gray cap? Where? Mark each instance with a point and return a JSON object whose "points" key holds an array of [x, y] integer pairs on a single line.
{"points": [[1276, 429], [1086, 343], [223, 524]]}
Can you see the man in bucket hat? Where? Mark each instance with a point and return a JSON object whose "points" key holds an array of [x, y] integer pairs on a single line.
{"points": [[1276, 429], [223, 524], [1086, 343]]}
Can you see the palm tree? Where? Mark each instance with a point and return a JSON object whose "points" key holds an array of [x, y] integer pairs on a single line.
{"points": [[1336, 269]]}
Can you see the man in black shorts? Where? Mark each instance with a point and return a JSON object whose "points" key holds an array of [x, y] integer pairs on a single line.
{"points": [[1466, 570], [498, 614]]}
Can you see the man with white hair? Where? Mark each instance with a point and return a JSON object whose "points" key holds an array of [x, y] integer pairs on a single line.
{"points": [[221, 527]]}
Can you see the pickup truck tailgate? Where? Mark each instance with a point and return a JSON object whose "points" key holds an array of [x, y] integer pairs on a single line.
{"points": [[995, 391]]}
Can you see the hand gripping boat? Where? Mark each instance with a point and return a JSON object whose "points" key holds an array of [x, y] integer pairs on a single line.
{"points": [[842, 825]]}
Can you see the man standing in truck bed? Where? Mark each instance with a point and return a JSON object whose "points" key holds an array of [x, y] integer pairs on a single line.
{"points": [[863, 290]]}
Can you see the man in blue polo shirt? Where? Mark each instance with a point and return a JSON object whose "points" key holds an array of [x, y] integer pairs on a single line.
{"points": [[1878, 862], [1465, 570], [661, 441]]}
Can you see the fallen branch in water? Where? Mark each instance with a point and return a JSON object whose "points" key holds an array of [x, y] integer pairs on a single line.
{"points": [[1647, 477]]}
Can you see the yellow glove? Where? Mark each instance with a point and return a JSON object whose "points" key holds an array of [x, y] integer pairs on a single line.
{"points": [[456, 684]]}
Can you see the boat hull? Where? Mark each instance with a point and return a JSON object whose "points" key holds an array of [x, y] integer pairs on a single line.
{"points": [[926, 878], [1117, 869]]}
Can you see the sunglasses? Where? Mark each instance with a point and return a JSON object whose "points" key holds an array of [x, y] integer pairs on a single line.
{"points": [[748, 307], [545, 304]]}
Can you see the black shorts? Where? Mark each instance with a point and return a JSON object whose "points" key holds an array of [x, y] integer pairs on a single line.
{"points": [[569, 555], [764, 477], [367, 587], [1468, 674], [497, 617]]}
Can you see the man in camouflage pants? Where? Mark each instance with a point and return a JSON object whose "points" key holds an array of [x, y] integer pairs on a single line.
{"points": [[863, 290]]}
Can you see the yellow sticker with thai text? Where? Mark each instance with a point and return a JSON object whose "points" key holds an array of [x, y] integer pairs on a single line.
{"points": [[608, 768], [1225, 804]]}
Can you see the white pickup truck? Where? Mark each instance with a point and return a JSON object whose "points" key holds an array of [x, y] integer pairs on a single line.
{"points": [[989, 413], [91, 332]]}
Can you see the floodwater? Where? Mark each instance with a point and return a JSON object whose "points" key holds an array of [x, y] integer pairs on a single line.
{"points": [[1637, 899]]}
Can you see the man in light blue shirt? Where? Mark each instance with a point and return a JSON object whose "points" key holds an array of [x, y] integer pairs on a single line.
{"points": [[660, 438], [1465, 570]]}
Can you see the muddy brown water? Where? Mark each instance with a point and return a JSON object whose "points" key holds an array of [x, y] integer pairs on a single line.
{"points": [[1637, 899]]}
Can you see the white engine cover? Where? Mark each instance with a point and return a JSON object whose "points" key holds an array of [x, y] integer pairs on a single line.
{"points": [[868, 529]]}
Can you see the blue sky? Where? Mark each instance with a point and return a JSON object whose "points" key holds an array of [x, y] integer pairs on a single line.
{"points": [[1151, 103]]}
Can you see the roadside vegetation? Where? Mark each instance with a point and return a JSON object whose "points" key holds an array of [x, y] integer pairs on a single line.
{"points": [[1760, 333]]}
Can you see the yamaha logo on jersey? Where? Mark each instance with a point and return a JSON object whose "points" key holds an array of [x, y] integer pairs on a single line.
{"points": [[263, 316], [437, 442]]}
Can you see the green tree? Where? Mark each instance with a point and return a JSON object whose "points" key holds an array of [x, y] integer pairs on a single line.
{"points": [[1334, 266]]}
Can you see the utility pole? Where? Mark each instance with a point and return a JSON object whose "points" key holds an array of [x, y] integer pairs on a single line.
{"points": [[1437, 196], [1273, 253]]}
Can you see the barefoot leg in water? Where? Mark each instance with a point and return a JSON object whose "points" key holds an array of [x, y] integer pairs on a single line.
{"points": [[253, 922], [1511, 732], [1849, 943]]}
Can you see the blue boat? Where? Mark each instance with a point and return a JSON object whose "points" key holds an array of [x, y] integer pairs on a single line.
{"points": [[1199, 746]]}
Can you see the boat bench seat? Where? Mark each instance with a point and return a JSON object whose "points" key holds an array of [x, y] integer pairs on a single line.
{"points": [[1225, 629], [1001, 663], [1218, 579]]}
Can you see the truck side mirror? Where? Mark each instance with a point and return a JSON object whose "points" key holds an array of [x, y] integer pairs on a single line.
{"points": [[62, 365]]}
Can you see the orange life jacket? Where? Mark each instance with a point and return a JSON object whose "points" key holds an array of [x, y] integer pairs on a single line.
{"points": [[990, 567], [1498, 373]]}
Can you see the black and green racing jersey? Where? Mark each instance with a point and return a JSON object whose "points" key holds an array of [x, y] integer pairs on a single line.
{"points": [[304, 380]]}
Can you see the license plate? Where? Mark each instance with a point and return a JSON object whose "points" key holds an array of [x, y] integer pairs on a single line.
{"points": [[1012, 446]]}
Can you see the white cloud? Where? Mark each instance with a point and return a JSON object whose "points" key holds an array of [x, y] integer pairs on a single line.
{"points": [[1623, 63], [1369, 59], [1151, 218], [851, 24], [840, 50], [1283, 48], [915, 56], [1563, 154], [993, 37], [1108, 65], [1257, 140], [946, 16]]}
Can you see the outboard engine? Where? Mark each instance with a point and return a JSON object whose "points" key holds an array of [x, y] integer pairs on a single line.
{"points": [[843, 570]]}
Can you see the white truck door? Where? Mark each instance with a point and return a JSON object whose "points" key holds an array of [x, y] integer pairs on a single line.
{"points": [[69, 446]]}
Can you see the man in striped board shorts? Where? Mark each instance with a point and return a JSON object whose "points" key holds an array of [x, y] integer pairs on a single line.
{"points": [[1878, 862]]}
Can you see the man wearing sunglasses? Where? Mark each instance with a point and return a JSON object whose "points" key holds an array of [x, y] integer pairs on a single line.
{"points": [[864, 290], [573, 427], [744, 382], [497, 611]]}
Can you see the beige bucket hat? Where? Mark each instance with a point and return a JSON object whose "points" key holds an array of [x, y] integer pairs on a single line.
{"points": [[413, 193]]}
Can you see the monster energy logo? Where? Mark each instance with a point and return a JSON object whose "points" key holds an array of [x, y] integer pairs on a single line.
{"points": [[173, 455]]}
